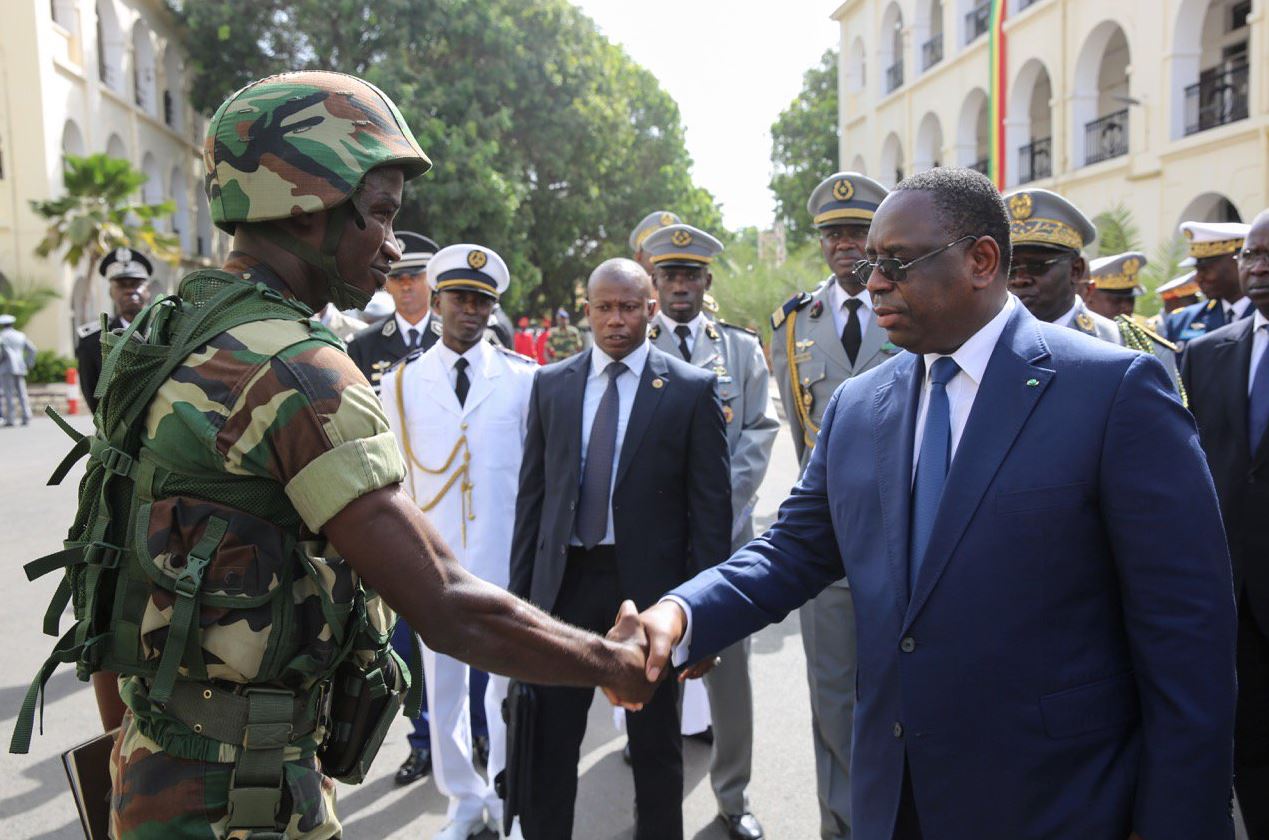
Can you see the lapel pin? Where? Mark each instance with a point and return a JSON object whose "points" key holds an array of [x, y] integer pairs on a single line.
{"points": [[1031, 383], [658, 383]]}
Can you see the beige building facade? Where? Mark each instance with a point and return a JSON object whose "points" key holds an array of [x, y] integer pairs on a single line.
{"points": [[1161, 105], [86, 76]]}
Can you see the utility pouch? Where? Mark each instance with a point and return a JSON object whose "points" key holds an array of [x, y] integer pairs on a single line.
{"points": [[364, 702]]}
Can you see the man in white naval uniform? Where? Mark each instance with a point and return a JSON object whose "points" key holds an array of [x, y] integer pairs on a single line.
{"points": [[459, 411], [680, 256]]}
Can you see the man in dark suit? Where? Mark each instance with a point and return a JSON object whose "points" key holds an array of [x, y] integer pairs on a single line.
{"points": [[1045, 648], [625, 492], [1226, 373], [128, 273], [413, 326]]}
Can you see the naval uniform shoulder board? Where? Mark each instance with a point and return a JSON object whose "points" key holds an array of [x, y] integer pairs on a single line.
{"points": [[406, 359], [519, 357], [88, 329], [794, 303], [739, 328]]}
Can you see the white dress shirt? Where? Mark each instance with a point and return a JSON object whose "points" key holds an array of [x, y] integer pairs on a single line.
{"points": [[404, 327], [972, 357], [697, 324], [1237, 309], [837, 298], [1259, 341], [475, 357], [596, 384]]}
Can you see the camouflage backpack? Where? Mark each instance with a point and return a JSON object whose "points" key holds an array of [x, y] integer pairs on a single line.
{"points": [[170, 574]]}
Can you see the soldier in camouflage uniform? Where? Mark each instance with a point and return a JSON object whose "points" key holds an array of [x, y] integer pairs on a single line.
{"points": [[306, 170], [564, 339]]}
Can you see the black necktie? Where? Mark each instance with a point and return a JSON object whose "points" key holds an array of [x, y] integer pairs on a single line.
{"points": [[683, 331], [413, 342], [852, 335], [592, 509], [461, 383]]}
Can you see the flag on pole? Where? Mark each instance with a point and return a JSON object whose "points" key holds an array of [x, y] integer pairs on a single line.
{"points": [[999, 92]]}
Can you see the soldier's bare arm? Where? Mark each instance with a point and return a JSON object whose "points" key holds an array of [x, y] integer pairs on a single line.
{"points": [[393, 547]]}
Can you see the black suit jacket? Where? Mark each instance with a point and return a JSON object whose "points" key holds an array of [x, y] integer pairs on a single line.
{"points": [[1215, 370], [671, 503], [88, 359], [379, 346]]}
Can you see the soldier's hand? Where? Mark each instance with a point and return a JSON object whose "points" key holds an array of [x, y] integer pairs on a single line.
{"points": [[630, 689]]}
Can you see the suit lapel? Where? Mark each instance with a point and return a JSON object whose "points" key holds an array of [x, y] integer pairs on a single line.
{"points": [[894, 421], [1232, 362], [483, 385], [647, 398], [438, 388], [704, 350], [822, 329], [1006, 397], [571, 393]]}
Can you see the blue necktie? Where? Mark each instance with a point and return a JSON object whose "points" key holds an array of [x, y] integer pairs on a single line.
{"points": [[413, 343], [592, 509], [1258, 401], [932, 463]]}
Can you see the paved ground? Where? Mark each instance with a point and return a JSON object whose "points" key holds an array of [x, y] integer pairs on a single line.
{"points": [[34, 802]]}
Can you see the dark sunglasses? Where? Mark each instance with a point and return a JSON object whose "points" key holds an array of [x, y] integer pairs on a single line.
{"points": [[1035, 268], [896, 270]]}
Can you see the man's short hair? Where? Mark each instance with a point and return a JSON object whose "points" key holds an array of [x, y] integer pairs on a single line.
{"points": [[967, 203]]}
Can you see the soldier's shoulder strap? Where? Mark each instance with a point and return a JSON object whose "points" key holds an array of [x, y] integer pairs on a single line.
{"points": [[519, 357], [790, 306], [405, 360], [88, 329], [1131, 329], [740, 329]]}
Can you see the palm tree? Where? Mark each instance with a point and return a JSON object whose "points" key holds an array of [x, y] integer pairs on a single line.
{"points": [[97, 215]]}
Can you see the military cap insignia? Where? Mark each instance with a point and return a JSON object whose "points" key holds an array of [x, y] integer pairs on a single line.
{"points": [[1020, 206], [681, 238], [477, 259], [843, 189], [123, 255], [667, 219], [1132, 265], [1189, 234]]}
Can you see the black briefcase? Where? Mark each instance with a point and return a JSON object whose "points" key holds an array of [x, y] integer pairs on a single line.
{"points": [[519, 711]]}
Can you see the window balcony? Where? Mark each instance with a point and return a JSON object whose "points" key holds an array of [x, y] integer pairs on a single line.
{"points": [[976, 22], [932, 52], [1035, 160], [1218, 99], [1106, 137], [894, 76], [1026, 4]]}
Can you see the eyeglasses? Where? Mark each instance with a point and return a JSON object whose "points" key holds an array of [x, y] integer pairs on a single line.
{"points": [[1034, 268], [896, 270], [1251, 256]]}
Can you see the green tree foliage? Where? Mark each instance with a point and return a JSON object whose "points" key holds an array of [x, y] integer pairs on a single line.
{"points": [[749, 288], [24, 299], [549, 142], [98, 214], [1117, 232], [804, 146]]}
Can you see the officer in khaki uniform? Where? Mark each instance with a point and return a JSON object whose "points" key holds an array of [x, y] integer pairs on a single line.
{"points": [[680, 256], [1047, 233], [818, 340], [1113, 284], [647, 226], [1117, 277]]}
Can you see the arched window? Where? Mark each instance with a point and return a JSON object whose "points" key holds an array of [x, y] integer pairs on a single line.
{"points": [[144, 81], [1030, 128], [891, 49], [109, 46], [1102, 97], [929, 144]]}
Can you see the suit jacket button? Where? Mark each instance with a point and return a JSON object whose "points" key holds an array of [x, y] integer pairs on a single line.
{"points": [[898, 730], [908, 644], [572, 505]]}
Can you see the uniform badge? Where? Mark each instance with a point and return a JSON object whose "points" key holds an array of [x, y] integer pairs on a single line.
{"points": [[654, 331], [817, 309], [1031, 383], [729, 413], [390, 328], [1020, 206], [843, 189], [667, 219], [1085, 322], [712, 332], [681, 238], [1189, 234], [1131, 266], [477, 259], [658, 383], [123, 255]]}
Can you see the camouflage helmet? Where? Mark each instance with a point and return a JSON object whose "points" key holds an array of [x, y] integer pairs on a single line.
{"points": [[300, 143]]}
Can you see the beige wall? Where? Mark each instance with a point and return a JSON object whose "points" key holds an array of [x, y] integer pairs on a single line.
{"points": [[53, 99], [1095, 55]]}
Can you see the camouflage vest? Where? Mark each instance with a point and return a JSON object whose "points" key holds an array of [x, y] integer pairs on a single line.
{"points": [[169, 571]]}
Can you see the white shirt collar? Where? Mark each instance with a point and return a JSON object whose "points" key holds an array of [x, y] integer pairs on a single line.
{"points": [[695, 325], [475, 356], [1258, 321], [837, 296], [405, 326], [1239, 307], [634, 360], [972, 356]]}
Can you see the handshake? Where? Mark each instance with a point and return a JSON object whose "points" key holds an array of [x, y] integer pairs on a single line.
{"points": [[642, 645]]}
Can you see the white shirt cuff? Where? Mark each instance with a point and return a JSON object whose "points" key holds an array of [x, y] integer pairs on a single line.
{"points": [[678, 656]]}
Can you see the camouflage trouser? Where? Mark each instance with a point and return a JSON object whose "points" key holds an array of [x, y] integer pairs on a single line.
{"points": [[159, 796]]}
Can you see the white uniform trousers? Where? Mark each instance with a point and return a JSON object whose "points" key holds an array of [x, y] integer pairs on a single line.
{"points": [[452, 764]]}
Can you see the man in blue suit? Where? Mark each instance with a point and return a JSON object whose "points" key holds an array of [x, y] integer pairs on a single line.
{"points": [[1046, 649]]}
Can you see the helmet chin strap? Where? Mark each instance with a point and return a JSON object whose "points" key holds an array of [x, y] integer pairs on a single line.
{"points": [[344, 295]]}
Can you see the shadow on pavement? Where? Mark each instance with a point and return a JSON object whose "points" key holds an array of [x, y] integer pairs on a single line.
{"points": [[51, 783]]}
